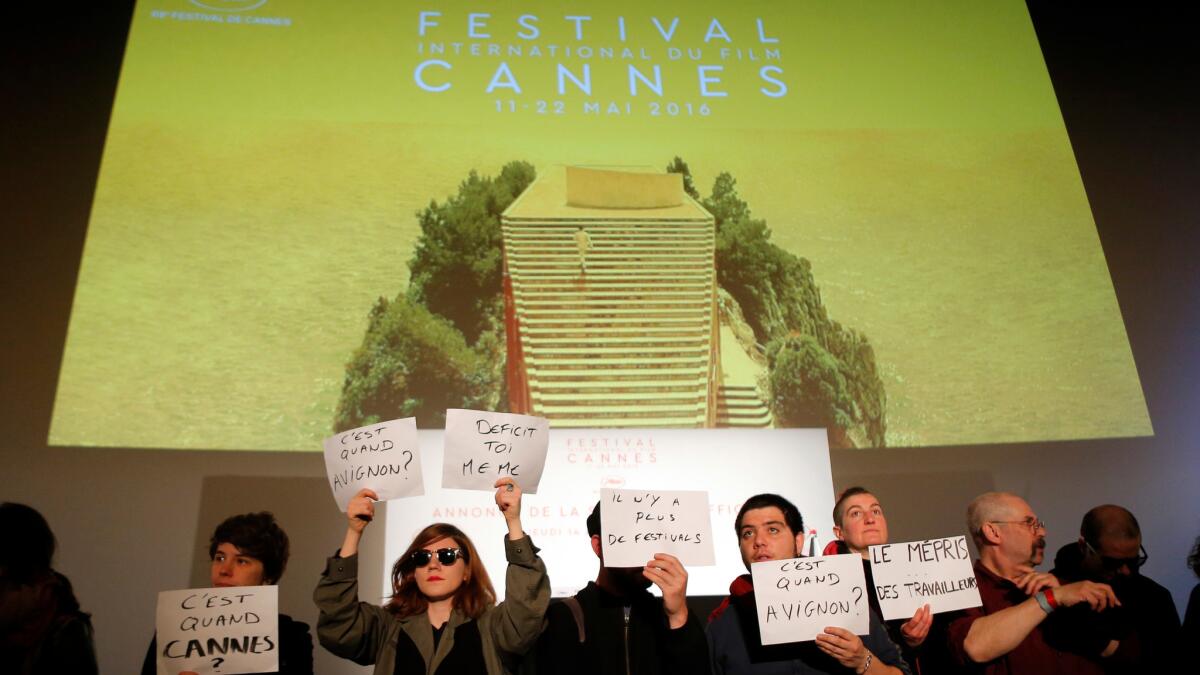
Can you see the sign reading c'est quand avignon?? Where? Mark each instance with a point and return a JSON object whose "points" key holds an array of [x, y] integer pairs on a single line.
{"points": [[383, 457], [797, 598]]}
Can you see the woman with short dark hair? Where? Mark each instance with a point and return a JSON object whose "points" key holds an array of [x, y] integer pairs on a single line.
{"points": [[443, 615], [251, 549]]}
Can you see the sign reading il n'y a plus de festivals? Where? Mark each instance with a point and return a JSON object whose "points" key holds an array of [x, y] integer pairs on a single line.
{"points": [[636, 524]]}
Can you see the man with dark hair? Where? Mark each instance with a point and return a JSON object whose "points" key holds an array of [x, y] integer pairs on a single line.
{"points": [[769, 527], [614, 625], [1009, 633], [1143, 633]]}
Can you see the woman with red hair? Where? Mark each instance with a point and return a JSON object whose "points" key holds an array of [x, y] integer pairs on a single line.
{"points": [[443, 615]]}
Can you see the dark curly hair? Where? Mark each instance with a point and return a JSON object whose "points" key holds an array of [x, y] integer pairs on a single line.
{"points": [[258, 536]]}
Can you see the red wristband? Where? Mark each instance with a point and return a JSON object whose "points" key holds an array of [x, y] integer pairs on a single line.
{"points": [[1049, 593]]}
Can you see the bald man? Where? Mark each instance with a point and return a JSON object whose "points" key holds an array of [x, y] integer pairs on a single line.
{"points": [[1144, 633], [1006, 635]]}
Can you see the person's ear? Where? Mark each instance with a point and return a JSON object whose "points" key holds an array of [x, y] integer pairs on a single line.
{"points": [[597, 548], [991, 533], [837, 532], [799, 544]]}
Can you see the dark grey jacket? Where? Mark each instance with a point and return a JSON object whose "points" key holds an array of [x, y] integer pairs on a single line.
{"points": [[367, 634], [735, 647]]}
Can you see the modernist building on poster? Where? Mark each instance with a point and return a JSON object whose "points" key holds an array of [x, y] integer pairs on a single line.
{"points": [[611, 305]]}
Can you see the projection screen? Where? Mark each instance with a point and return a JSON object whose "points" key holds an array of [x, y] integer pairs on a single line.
{"points": [[313, 215]]}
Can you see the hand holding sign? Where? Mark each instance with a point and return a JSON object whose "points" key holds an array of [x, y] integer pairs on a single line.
{"points": [[383, 457], [798, 599], [844, 646], [637, 524], [508, 500], [483, 446], [666, 572], [915, 630], [361, 509]]}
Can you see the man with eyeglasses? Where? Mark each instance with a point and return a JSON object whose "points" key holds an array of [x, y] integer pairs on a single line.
{"points": [[1143, 633], [1008, 633]]}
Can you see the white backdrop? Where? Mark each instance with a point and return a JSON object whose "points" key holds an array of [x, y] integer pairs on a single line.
{"points": [[731, 464]]}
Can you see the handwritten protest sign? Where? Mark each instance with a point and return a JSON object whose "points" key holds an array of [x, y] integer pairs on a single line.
{"points": [[383, 457], [218, 630], [936, 572], [798, 597], [482, 447], [636, 524]]}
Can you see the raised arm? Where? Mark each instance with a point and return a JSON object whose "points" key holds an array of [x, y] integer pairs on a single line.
{"points": [[351, 629], [517, 621]]}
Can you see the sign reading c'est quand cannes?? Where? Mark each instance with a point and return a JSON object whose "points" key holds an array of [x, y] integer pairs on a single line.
{"points": [[636, 524], [797, 598], [482, 447], [383, 457], [937, 572], [218, 630]]}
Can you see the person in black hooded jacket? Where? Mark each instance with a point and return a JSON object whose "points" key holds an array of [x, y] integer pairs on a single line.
{"points": [[1142, 634], [614, 625]]}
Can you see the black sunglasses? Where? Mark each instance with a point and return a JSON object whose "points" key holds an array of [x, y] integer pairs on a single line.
{"points": [[445, 556], [1114, 564]]}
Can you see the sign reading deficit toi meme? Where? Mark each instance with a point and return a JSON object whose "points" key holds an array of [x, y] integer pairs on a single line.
{"points": [[218, 630], [636, 524], [798, 597], [383, 457], [483, 447], [937, 572]]}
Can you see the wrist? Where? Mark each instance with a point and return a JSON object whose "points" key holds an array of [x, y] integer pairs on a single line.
{"points": [[677, 618], [866, 664], [515, 531], [1043, 601]]}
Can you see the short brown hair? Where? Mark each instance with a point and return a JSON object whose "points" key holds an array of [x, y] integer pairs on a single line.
{"points": [[474, 595], [839, 509]]}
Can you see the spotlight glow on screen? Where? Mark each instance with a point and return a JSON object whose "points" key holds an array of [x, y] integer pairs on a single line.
{"points": [[311, 216]]}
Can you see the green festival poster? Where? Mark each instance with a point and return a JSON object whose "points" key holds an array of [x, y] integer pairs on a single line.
{"points": [[312, 216]]}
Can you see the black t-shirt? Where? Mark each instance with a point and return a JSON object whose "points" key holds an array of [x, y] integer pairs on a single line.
{"points": [[465, 657]]}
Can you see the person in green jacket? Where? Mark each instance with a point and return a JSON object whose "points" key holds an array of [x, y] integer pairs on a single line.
{"points": [[442, 616]]}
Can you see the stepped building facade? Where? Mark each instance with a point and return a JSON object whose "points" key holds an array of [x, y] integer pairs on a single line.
{"points": [[611, 306]]}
